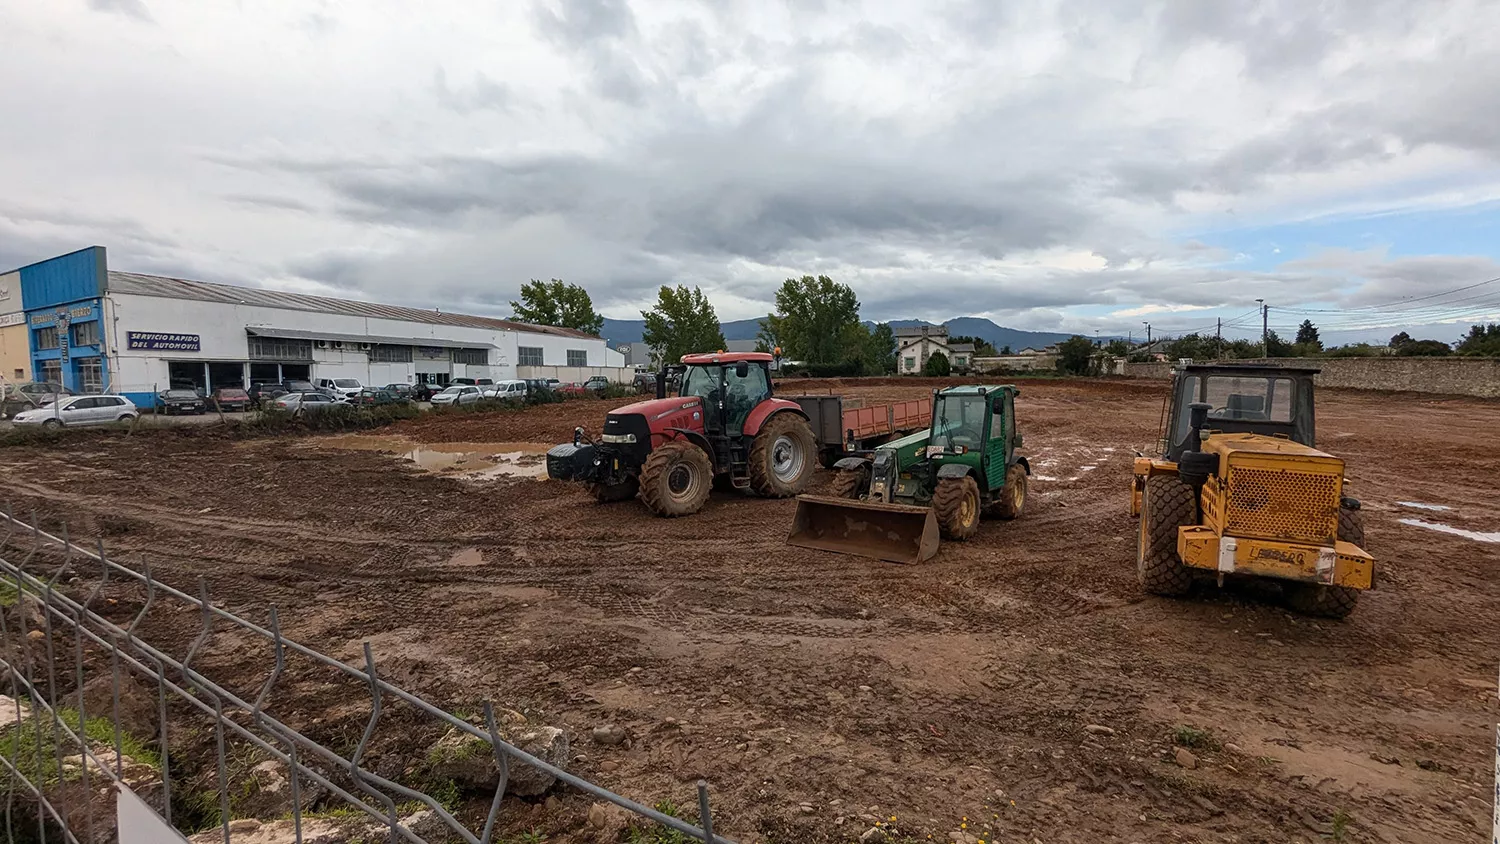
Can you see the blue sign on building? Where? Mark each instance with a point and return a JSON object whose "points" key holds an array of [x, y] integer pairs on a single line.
{"points": [[64, 312]]}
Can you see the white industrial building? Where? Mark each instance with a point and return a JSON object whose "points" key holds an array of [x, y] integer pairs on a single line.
{"points": [[97, 329]]}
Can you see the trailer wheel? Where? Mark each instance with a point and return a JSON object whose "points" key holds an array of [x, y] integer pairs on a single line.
{"points": [[850, 483], [1168, 505], [956, 502], [675, 480], [782, 457], [611, 493]]}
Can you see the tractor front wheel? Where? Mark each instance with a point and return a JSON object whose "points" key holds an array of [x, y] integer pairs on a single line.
{"points": [[850, 483], [782, 457], [1331, 601], [611, 493], [1168, 505], [676, 479], [956, 502]]}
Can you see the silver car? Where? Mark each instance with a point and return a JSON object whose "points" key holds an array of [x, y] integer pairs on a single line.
{"points": [[298, 404], [80, 411], [457, 394]]}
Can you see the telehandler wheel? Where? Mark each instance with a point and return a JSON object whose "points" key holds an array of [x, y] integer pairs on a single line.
{"points": [[1352, 526], [676, 479], [782, 457], [956, 503], [611, 493], [1317, 599], [849, 483], [1168, 505], [1012, 500]]}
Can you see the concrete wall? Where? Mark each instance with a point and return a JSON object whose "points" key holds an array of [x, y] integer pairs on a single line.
{"points": [[1016, 363], [1451, 376]]}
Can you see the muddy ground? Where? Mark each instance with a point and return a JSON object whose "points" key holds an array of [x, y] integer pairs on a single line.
{"points": [[1020, 687]]}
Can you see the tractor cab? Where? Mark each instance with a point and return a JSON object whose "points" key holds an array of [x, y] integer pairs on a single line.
{"points": [[1274, 401], [731, 386]]}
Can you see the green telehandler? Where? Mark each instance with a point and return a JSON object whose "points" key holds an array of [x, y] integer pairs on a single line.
{"points": [[893, 503]]}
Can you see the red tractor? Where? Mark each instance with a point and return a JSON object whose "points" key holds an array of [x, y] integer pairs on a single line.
{"points": [[724, 423]]}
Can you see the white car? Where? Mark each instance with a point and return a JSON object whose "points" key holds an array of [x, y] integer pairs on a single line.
{"points": [[299, 404], [346, 387], [457, 394], [80, 411], [512, 390]]}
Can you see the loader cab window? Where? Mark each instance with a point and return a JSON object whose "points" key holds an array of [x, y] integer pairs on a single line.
{"points": [[1248, 399], [1269, 405], [959, 420]]}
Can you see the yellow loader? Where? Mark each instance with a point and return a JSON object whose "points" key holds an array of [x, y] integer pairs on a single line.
{"points": [[1239, 489]]}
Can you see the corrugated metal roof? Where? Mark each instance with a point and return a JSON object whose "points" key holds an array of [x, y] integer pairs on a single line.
{"points": [[177, 288], [295, 334]]}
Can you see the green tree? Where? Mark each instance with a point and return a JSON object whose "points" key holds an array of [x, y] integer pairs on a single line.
{"points": [[1482, 340], [682, 323], [1277, 347], [1398, 340], [768, 336], [1075, 355], [1307, 336], [1117, 349], [558, 304], [1006, 350], [882, 348], [937, 365], [813, 318], [1424, 349]]}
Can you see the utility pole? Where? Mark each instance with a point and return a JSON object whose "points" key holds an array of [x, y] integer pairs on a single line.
{"points": [[1265, 328], [1219, 340], [1148, 331]]}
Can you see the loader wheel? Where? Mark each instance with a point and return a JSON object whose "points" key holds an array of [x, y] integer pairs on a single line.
{"points": [[675, 480], [849, 483], [1352, 526], [1317, 599], [782, 457], [956, 502], [611, 493], [1012, 500], [1168, 505]]}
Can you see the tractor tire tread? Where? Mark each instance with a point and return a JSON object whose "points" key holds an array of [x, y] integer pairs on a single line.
{"points": [[848, 483], [654, 477], [1016, 474], [1168, 505], [612, 493], [760, 467], [947, 503], [1325, 601]]}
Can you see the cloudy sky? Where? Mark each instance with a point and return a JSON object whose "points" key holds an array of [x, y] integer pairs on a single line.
{"points": [[1059, 166]]}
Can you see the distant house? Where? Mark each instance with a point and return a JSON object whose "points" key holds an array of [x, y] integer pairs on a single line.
{"points": [[916, 343], [1029, 351], [961, 356]]}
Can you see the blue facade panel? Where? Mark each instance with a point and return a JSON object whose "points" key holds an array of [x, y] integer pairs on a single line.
{"points": [[66, 278]]}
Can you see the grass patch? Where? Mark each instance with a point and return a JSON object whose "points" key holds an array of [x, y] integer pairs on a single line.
{"points": [[34, 744], [1194, 737], [1340, 824], [658, 834]]}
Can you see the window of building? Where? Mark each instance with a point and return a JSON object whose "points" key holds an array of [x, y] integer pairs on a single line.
{"points": [[20, 375], [529, 356], [474, 357], [51, 372], [91, 374], [578, 357], [85, 333], [46, 338], [911, 363], [381, 353], [279, 348]]}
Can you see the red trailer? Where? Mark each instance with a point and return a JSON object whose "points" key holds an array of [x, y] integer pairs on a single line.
{"points": [[840, 430]]}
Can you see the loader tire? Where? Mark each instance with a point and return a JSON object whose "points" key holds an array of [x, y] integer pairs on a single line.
{"points": [[783, 457], [956, 503], [1012, 500], [849, 483], [1168, 505], [1331, 601], [611, 493], [1320, 600], [676, 479]]}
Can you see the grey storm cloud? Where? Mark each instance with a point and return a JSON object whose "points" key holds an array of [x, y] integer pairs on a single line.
{"points": [[1055, 161]]}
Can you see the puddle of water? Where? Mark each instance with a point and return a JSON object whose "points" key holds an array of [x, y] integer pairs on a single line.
{"points": [[465, 460], [1442, 528], [1420, 506]]}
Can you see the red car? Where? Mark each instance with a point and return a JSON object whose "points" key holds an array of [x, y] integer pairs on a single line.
{"points": [[571, 389], [232, 399]]}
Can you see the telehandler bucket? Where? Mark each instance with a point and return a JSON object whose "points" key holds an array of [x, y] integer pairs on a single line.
{"points": [[899, 533]]}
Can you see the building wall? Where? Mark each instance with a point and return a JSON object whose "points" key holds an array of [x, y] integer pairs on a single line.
{"points": [[1016, 363], [15, 337], [914, 353], [63, 293], [1451, 376], [578, 374]]}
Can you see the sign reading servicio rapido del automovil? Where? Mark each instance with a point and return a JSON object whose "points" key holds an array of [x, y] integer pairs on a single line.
{"points": [[161, 342]]}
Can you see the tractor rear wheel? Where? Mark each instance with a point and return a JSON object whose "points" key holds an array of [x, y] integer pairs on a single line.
{"points": [[611, 493], [676, 479], [1012, 500], [782, 457], [849, 483], [1331, 601], [956, 502], [1168, 505]]}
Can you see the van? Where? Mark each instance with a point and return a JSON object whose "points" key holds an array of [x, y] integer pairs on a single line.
{"points": [[509, 390]]}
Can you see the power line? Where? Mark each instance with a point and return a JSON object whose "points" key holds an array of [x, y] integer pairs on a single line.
{"points": [[1399, 303]]}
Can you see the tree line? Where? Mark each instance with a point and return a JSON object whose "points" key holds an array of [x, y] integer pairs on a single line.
{"points": [[816, 324]]}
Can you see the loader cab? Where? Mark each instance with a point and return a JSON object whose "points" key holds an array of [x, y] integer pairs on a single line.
{"points": [[1274, 401], [975, 426]]}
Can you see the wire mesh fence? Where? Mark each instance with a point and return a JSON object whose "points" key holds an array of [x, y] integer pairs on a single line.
{"points": [[98, 715]]}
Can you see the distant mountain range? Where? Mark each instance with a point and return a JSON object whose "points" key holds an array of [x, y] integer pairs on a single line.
{"points": [[621, 331]]}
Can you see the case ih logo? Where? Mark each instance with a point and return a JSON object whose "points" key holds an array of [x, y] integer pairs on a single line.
{"points": [[161, 342]]}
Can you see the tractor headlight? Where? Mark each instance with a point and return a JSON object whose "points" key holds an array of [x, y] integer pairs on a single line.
{"points": [[578, 435], [618, 438]]}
